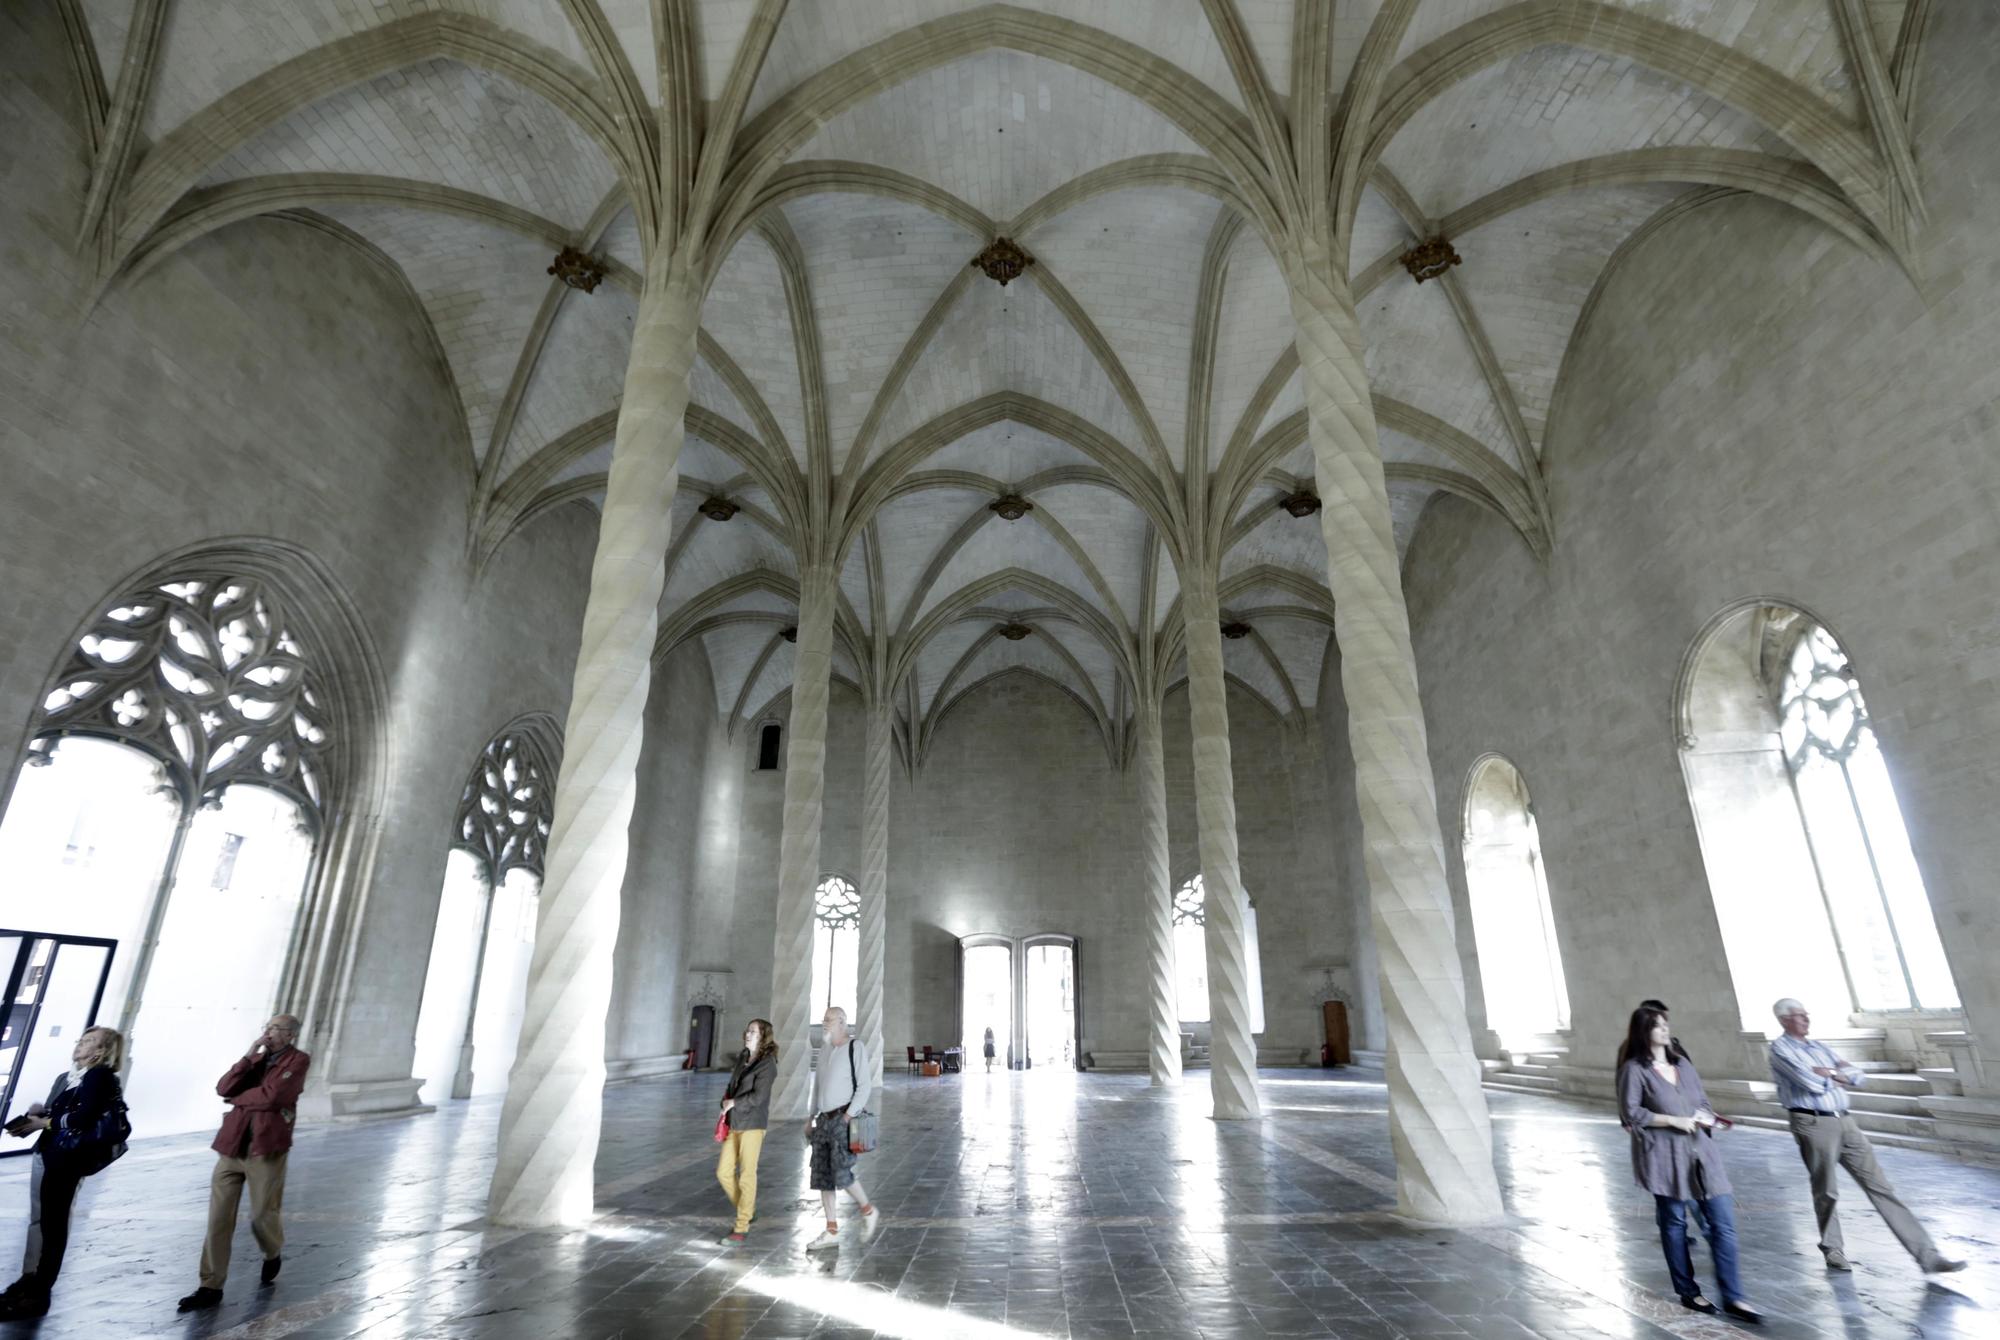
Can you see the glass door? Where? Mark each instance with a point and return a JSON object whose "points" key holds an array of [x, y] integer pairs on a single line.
{"points": [[54, 985]]}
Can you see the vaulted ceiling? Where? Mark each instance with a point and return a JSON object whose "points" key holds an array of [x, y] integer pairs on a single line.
{"points": [[465, 142]]}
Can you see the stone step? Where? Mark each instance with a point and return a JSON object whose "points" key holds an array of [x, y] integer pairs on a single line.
{"points": [[1902, 1132], [1896, 1081], [1514, 1081], [1886, 1104]]}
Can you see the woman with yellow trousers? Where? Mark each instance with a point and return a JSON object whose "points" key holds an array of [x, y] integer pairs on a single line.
{"points": [[746, 1108]]}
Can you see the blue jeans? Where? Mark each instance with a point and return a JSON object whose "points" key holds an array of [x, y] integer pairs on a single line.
{"points": [[1719, 1216]]}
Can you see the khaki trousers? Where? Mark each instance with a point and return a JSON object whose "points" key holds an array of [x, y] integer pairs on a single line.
{"points": [[1828, 1144], [737, 1171], [266, 1178]]}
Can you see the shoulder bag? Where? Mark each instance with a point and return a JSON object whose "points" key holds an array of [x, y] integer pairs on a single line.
{"points": [[96, 1145], [862, 1133]]}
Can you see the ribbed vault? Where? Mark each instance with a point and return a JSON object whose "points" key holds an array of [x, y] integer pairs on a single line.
{"points": [[846, 336]]}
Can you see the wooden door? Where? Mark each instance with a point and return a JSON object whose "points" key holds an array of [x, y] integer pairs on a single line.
{"points": [[701, 1036], [1333, 1020]]}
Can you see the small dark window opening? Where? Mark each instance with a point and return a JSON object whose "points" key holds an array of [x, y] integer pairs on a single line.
{"points": [[767, 748]]}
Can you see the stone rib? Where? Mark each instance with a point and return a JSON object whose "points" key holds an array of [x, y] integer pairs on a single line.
{"points": [[1156, 895], [1232, 1075], [549, 1124], [1437, 1112], [798, 849], [879, 765]]}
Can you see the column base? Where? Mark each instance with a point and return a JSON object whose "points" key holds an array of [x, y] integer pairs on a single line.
{"points": [[1285, 1056], [643, 1067], [367, 1099], [1103, 1060]]}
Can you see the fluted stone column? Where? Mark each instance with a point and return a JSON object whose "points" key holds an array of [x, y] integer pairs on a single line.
{"points": [[1232, 1053], [549, 1125], [798, 849], [1438, 1121], [1156, 899], [879, 772]]}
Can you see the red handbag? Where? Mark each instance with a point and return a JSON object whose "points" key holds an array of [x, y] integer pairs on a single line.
{"points": [[722, 1128]]}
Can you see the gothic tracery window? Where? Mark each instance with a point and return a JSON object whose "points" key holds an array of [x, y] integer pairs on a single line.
{"points": [[836, 944], [1191, 950], [1875, 895], [507, 807], [204, 674]]}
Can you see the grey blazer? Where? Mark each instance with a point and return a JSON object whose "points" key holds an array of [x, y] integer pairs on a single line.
{"points": [[750, 1085], [1665, 1161]]}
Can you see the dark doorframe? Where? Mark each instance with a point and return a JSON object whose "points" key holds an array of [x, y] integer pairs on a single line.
{"points": [[701, 1036], [21, 1006]]}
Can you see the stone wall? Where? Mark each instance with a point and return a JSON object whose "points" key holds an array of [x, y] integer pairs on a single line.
{"points": [[1756, 409], [648, 1025], [1019, 824], [270, 381]]}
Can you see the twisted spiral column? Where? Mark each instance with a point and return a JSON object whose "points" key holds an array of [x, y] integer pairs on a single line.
{"points": [[879, 770], [549, 1125], [798, 849], [1232, 1054], [1438, 1120], [1156, 900]]}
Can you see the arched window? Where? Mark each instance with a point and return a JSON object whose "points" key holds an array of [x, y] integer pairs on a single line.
{"points": [[171, 805], [1520, 968], [1816, 890], [767, 746], [1874, 894], [836, 945], [475, 991], [1191, 951]]}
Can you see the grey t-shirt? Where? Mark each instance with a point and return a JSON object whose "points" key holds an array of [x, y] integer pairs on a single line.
{"points": [[831, 1085]]}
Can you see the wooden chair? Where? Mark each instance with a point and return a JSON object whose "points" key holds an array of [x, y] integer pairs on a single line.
{"points": [[915, 1065]]}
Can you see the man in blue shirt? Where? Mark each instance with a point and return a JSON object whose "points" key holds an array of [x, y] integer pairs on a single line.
{"points": [[1812, 1084]]}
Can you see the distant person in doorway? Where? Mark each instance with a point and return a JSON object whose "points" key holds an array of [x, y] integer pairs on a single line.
{"points": [[1674, 1048], [1663, 1105], [989, 1051], [1812, 1085], [262, 1091], [82, 1128], [746, 1102], [840, 1085]]}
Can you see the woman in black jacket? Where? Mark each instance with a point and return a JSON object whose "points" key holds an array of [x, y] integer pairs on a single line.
{"points": [[746, 1104], [66, 1153]]}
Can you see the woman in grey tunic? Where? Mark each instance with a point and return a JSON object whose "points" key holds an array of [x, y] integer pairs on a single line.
{"points": [[1663, 1105]]}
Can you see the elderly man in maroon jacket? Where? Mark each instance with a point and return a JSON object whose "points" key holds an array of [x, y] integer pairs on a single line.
{"points": [[262, 1090]]}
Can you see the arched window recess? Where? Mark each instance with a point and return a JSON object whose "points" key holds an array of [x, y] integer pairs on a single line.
{"points": [[179, 780], [475, 988], [836, 946], [1817, 891]]}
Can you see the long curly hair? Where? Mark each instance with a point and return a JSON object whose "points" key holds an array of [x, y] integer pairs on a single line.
{"points": [[767, 1040]]}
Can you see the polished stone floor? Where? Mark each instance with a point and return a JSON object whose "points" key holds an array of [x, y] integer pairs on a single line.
{"points": [[1039, 1204]]}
